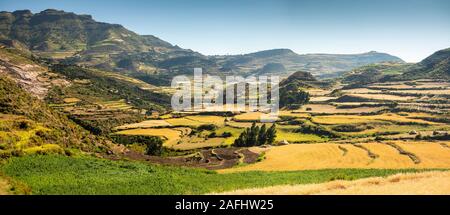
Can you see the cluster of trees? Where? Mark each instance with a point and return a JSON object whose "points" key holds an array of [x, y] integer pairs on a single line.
{"points": [[256, 136], [292, 95], [153, 144]]}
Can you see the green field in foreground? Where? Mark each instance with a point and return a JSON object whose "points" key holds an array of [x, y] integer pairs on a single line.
{"points": [[53, 174]]}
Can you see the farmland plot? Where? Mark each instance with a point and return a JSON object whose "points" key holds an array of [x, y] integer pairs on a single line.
{"points": [[330, 156]]}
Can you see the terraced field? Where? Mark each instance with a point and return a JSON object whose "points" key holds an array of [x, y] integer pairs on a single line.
{"points": [[425, 183], [392, 155], [172, 136]]}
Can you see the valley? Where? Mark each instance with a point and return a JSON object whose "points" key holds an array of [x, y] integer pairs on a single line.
{"points": [[90, 113]]}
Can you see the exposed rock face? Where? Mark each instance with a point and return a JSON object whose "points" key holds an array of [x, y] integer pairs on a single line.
{"points": [[32, 77]]}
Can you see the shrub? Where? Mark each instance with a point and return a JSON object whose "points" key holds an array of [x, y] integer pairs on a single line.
{"points": [[227, 134], [207, 127]]}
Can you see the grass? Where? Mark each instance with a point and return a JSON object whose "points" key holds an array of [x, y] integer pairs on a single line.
{"points": [[54, 174], [293, 137]]}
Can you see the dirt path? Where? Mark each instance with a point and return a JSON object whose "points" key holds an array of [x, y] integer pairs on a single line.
{"points": [[433, 183]]}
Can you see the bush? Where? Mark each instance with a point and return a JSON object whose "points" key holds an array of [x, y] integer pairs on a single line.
{"points": [[213, 134], [207, 127], [153, 144], [227, 134], [317, 130]]}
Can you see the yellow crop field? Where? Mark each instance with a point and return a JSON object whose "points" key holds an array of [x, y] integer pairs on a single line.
{"points": [[71, 100], [144, 124], [344, 119], [340, 119], [330, 109], [292, 114], [361, 91], [423, 183], [183, 122], [318, 92], [253, 116], [172, 136], [307, 156], [431, 154], [424, 92], [331, 156], [216, 120], [382, 97], [321, 98]]}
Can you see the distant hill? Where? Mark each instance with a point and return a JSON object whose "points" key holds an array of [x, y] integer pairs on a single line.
{"points": [[436, 66], [79, 39], [317, 64], [375, 73]]}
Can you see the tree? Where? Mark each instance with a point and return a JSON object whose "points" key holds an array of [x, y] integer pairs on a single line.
{"points": [[262, 136], [271, 134], [252, 135]]}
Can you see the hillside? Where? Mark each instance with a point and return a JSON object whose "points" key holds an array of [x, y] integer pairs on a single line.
{"points": [[79, 39], [28, 73], [29, 126], [436, 65], [317, 64], [375, 72]]}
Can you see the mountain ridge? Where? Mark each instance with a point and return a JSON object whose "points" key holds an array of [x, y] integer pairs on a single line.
{"points": [[79, 39]]}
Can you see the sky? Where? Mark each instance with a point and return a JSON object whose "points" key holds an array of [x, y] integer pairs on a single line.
{"points": [[409, 29]]}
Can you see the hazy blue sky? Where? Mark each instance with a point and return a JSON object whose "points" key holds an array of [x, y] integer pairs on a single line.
{"points": [[410, 29]]}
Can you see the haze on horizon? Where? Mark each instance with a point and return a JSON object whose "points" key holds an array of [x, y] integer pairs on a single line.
{"points": [[411, 30]]}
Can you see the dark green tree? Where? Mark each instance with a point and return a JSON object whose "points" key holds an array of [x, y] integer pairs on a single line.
{"points": [[262, 135], [271, 134], [252, 135]]}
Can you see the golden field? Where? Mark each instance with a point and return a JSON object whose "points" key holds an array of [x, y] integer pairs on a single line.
{"points": [[331, 109], [331, 156], [172, 136], [425, 183], [388, 117]]}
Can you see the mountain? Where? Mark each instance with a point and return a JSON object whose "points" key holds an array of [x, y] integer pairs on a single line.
{"points": [[61, 35], [69, 38], [317, 64]]}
